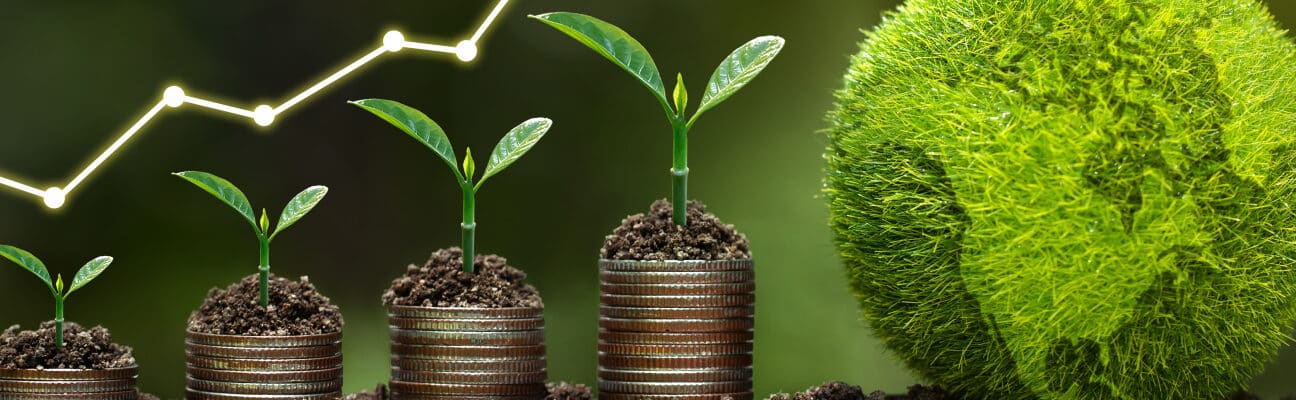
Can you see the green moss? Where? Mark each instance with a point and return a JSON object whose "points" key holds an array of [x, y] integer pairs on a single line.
{"points": [[1082, 199]]}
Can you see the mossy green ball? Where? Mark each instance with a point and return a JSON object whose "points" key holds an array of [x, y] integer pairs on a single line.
{"points": [[1072, 199]]}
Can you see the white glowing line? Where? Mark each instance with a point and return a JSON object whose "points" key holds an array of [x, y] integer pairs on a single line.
{"points": [[263, 115]]}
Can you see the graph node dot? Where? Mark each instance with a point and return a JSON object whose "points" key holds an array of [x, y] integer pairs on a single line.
{"points": [[173, 96], [466, 51], [263, 115], [54, 197], [393, 41]]}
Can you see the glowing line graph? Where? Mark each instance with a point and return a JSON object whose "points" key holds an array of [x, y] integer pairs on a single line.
{"points": [[263, 115]]}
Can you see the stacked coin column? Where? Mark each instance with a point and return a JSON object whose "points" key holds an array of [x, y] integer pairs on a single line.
{"points": [[220, 367], [467, 353], [676, 329], [88, 384]]}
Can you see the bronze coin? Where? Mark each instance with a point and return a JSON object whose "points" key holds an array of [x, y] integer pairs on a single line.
{"points": [[457, 338], [725, 300], [606, 386], [676, 265], [191, 394], [632, 396], [53, 387], [470, 378], [125, 395], [263, 341], [690, 289], [414, 364], [240, 364], [699, 362], [468, 390], [70, 374], [674, 349], [465, 313], [677, 325], [265, 376], [469, 325], [678, 313], [264, 352], [676, 375], [642, 277], [469, 352], [333, 386], [607, 336]]}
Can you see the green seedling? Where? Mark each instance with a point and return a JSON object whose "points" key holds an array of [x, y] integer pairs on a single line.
{"points": [[515, 143], [297, 208], [88, 272], [623, 50]]}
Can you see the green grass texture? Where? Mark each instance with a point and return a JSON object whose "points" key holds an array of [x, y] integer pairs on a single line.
{"points": [[1071, 199]]}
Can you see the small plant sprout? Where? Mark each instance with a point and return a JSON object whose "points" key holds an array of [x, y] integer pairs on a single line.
{"points": [[297, 208], [515, 143], [89, 272], [623, 50]]}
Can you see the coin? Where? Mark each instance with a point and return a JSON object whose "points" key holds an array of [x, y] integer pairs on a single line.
{"points": [[458, 338], [637, 277], [676, 265], [676, 375], [70, 374], [471, 378], [264, 352], [469, 325], [469, 352], [414, 364], [51, 387], [675, 349], [469, 390], [191, 394], [241, 364], [265, 376], [640, 396], [674, 387], [731, 300], [609, 336], [677, 325], [262, 341], [697, 362], [294, 388], [678, 312], [690, 289], [125, 395], [465, 313]]}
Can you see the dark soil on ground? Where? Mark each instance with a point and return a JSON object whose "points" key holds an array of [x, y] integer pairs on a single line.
{"points": [[82, 348], [567, 391], [295, 309], [442, 282], [146, 396], [655, 237], [379, 393]]}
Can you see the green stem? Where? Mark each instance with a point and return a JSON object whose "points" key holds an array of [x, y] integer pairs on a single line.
{"points": [[265, 271], [679, 172], [58, 321], [469, 225]]}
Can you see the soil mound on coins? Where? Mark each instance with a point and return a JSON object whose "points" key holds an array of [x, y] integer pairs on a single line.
{"points": [[567, 391], [442, 282], [82, 349], [296, 308], [655, 237]]}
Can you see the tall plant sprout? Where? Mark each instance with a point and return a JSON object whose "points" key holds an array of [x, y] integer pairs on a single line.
{"points": [[87, 273]]}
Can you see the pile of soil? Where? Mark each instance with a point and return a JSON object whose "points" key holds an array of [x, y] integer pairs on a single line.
{"points": [[379, 393], [82, 349], [295, 309], [567, 391], [655, 237], [442, 282]]}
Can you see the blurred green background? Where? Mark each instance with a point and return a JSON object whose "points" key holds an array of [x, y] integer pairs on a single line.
{"points": [[76, 73]]}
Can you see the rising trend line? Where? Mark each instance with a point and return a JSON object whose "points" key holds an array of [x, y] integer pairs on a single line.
{"points": [[263, 115]]}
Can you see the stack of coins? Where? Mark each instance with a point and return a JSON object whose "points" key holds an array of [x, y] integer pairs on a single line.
{"points": [[467, 353], [221, 367], [676, 329], [88, 384]]}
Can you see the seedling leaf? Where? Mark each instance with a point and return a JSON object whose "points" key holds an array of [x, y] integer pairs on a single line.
{"points": [[28, 261], [299, 206], [88, 273], [612, 43], [514, 144], [738, 69], [469, 167], [223, 190], [681, 95], [417, 125]]}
